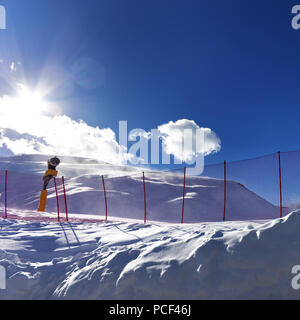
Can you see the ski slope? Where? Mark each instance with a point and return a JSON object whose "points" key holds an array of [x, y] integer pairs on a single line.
{"points": [[126, 259], [204, 196]]}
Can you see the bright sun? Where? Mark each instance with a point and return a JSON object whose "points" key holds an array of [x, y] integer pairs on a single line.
{"points": [[25, 108], [32, 102]]}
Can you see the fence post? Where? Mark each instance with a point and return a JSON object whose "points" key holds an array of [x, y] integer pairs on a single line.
{"points": [[104, 198], [183, 195], [145, 201], [5, 196], [280, 186], [65, 197], [56, 199], [224, 214]]}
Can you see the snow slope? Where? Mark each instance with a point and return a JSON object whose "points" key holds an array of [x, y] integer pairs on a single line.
{"points": [[124, 259], [204, 196], [127, 260]]}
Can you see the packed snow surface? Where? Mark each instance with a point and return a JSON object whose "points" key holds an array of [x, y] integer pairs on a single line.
{"points": [[128, 260], [87, 258]]}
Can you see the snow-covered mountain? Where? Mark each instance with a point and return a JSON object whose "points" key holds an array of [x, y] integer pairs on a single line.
{"points": [[124, 185]]}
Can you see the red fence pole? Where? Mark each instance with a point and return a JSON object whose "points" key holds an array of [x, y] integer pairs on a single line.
{"points": [[145, 203], [65, 197], [280, 187], [183, 195], [224, 214], [56, 199], [5, 196], [104, 198]]}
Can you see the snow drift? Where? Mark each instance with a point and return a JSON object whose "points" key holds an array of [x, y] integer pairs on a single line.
{"points": [[231, 260]]}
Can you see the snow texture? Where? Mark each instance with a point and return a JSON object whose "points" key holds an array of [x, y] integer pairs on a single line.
{"points": [[128, 260], [125, 259]]}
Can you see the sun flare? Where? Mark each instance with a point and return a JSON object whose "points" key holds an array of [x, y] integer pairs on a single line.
{"points": [[30, 101], [25, 109]]}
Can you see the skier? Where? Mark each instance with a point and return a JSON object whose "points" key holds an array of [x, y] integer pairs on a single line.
{"points": [[49, 174]]}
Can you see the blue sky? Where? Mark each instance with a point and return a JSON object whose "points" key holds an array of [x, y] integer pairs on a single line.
{"points": [[232, 66]]}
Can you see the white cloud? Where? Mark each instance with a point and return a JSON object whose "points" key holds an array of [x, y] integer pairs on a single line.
{"points": [[25, 130], [173, 133], [30, 126]]}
